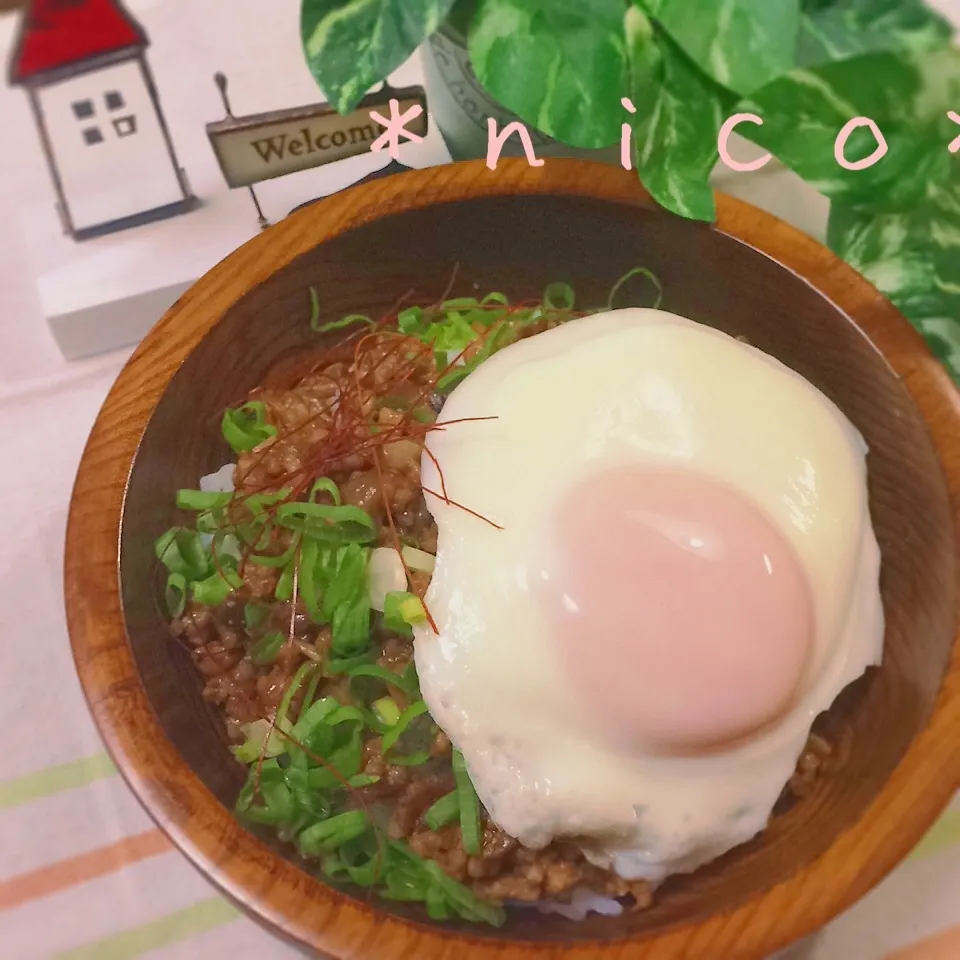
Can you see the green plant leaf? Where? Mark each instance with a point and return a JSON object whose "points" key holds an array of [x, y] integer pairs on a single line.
{"points": [[560, 65], [805, 111], [844, 28], [352, 44], [679, 114], [913, 258], [741, 44]]}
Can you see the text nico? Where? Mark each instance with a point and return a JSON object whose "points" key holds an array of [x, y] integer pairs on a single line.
{"points": [[394, 130]]}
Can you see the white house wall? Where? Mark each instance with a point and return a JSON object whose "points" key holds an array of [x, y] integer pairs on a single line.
{"points": [[116, 175]]}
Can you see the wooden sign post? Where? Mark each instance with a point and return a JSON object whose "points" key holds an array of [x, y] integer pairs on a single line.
{"points": [[263, 146]]}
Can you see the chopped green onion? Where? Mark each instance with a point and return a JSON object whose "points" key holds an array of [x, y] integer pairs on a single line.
{"points": [[345, 604], [284, 588], [265, 650], [629, 275], [314, 310], [345, 322], [451, 379], [276, 560], [469, 805], [210, 521], [254, 614], [256, 534], [335, 736], [325, 485], [227, 546], [387, 710], [176, 594], [462, 899], [402, 610], [418, 559], [362, 780], [210, 506], [358, 858], [411, 680], [559, 296], [312, 805], [309, 556], [292, 687], [310, 692], [328, 835], [342, 764], [278, 804], [413, 611], [411, 713], [410, 319], [344, 665], [436, 902], [183, 551], [444, 811], [331, 524], [391, 737], [255, 733], [402, 681], [257, 501], [213, 590], [405, 885], [350, 627], [314, 714], [495, 298], [202, 500], [455, 334], [405, 682], [246, 427]]}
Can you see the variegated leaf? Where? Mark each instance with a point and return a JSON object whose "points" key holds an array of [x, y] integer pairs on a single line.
{"points": [[352, 44], [845, 28], [741, 44], [907, 95], [913, 258], [560, 65], [679, 114]]}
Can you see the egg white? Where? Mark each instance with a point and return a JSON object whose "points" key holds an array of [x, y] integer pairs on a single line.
{"points": [[629, 386]]}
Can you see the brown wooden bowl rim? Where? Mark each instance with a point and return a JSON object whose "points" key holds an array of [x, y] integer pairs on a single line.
{"points": [[207, 832]]}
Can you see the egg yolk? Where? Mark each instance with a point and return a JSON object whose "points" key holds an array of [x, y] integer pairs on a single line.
{"points": [[680, 612]]}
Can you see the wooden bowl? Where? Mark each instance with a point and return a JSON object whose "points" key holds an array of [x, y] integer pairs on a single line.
{"points": [[515, 230]]}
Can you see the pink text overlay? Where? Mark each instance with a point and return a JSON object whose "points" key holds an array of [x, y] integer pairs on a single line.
{"points": [[395, 128]]}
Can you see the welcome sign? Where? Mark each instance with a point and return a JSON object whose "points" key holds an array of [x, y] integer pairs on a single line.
{"points": [[262, 146]]}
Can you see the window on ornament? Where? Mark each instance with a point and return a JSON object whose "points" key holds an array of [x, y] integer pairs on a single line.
{"points": [[125, 126]]}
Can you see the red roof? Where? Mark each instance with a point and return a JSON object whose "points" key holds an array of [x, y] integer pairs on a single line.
{"points": [[59, 33]]}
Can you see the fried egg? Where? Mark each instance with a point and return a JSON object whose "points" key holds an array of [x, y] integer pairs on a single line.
{"points": [[667, 570]]}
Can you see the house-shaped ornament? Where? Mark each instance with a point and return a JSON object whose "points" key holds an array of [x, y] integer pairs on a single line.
{"points": [[82, 64]]}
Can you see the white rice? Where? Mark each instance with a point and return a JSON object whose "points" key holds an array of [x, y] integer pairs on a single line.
{"points": [[582, 903], [220, 481]]}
